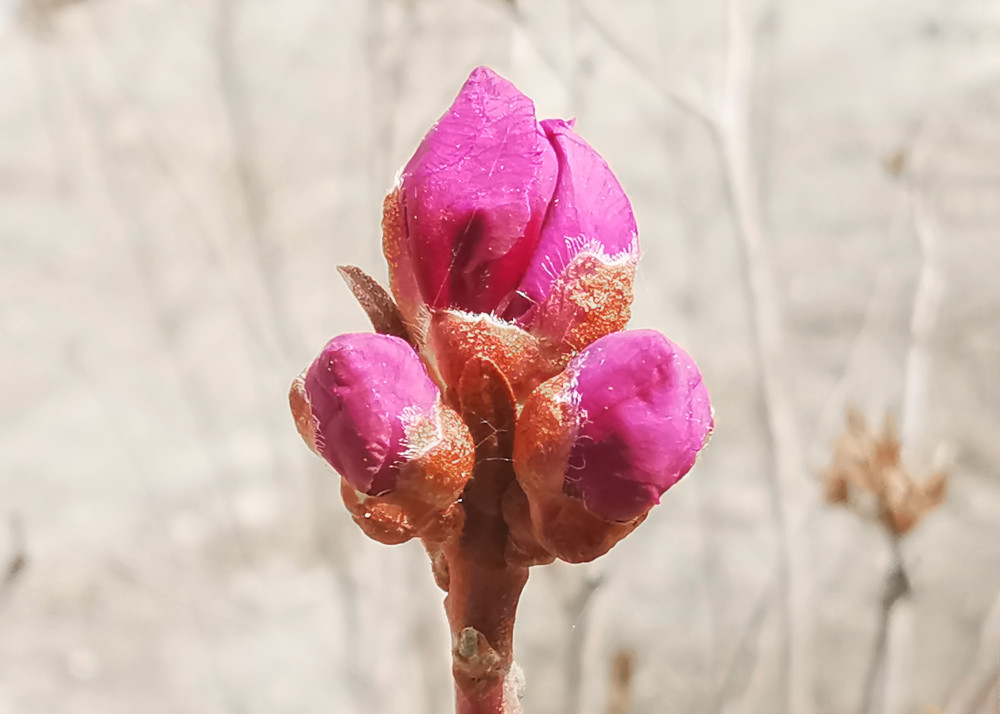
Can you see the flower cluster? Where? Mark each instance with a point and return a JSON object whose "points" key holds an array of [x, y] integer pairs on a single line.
{"points": [[502, 413]]}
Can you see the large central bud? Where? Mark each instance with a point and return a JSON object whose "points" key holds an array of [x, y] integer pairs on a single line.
{"points": [[508, 230]]}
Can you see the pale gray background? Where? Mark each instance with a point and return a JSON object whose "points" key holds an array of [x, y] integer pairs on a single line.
{"points": [[178, 180]]}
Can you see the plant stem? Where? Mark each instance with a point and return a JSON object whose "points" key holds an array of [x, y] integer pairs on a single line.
{"points": [[483, 592], [483, 587], [890, 641]]}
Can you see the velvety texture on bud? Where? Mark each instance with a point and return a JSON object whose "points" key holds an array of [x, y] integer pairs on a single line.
{"points": [[589, 213], [473, 198], [368, 406], [622, 424]]}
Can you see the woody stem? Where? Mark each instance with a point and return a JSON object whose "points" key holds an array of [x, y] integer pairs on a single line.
{"points": [[483, 592]]}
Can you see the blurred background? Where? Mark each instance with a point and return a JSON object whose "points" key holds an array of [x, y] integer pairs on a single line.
{"points": [[817, 187]]}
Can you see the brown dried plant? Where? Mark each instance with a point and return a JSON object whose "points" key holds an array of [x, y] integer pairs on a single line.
{"points": [[868, 476]]}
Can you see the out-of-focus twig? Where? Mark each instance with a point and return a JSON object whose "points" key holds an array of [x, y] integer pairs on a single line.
{"points": [[926, 304], [578, 612], [620, 689], [731, 128], [982, 676], [17, 561], [868, 476], [251, 190], [883, 662]]}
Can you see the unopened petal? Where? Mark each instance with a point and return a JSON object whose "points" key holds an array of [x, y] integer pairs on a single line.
{"points": [[474, 196], [644, 416], [589, 213], [361, 390]]}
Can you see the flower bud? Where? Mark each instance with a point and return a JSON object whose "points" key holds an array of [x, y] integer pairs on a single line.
{"points": [[497, 213], [466, 217], [369, 408], [621, 425]]}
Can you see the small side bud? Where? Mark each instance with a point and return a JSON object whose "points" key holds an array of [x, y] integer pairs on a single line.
{"points": [[369, 408], [597, 446]]}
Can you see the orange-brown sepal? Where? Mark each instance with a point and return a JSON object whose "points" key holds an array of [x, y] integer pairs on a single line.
{"points": [[457, 338], [560, 525], [441, 458], [385, 522], [565, 528], [523, 547], [591, 299], [402, 279]]}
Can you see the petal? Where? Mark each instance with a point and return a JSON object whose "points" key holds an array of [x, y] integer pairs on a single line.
{"points": [[589, 213], [644, 416], [362, 390], [474, 196]]}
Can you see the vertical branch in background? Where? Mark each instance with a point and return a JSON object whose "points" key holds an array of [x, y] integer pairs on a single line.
{"points": [[577, 606], [890, 639], [97, 156], [731, 129], [17, 561], [620, 694], [926, 303], [982, 677], [897, 615], [251, 191]]}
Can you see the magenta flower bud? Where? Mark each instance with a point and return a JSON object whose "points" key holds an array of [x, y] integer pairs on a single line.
{"points": [[619, 427], [589, 214], [471, 201], [369, 408]]}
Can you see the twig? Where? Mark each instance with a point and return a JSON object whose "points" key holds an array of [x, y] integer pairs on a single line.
{"points": [[620, 693], [731, 130], [578, 612], [926, 303], [18, 559], [251, 189], [126, 218], [885, 656], [982, 675], [896, 630]]}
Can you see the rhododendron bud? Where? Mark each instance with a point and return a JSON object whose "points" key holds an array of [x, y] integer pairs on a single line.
{"points": [[622, 424], [368, 406], [467, 215], [498, 213], [512, 252]]}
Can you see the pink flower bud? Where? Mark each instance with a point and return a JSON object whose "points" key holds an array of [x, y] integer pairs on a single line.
{"points": [[498, 213], [472, 200], [369, 408], [619, 427]]}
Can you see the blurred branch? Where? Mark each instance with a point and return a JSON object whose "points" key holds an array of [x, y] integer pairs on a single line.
{"points": [[251, 191], [926, 305], [731, 128], [17, 561], [620, 694], [687, 97], [220, 244], [577, 607], [890, 641], [982, 676], [124, 215]]}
